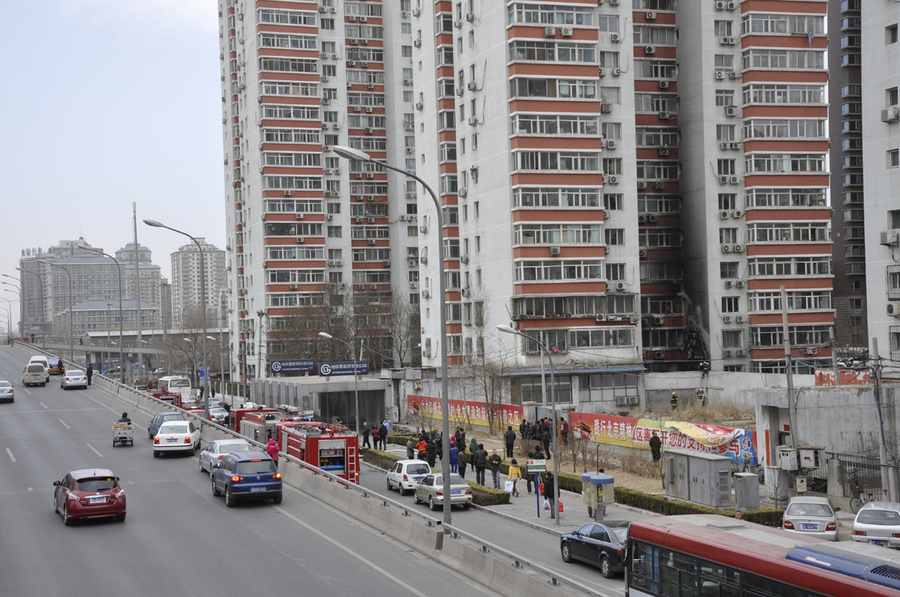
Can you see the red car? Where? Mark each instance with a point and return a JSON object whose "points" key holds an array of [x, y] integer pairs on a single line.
{"points": [[89, 493]]}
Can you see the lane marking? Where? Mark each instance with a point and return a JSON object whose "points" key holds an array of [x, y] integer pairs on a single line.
{"points": [[26, 390], [42, 405], [352, 553], [11, 455], [94, 450], [63, 423]]}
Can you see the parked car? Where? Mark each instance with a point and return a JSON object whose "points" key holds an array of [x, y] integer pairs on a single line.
{"points": [[810, 515], [7, 393], [176, 436], [159, 419], [597, 544], [89, 493], [405, 475], [431, 491], [216, 450], [74, 378], [35, 374], [246, 475], [878, 523]]}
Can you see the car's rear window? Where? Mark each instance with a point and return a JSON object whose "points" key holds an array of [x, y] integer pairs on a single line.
{"points": [[35, 368], [882, 517], [255, 467], [235, 447], [97, 484], [179, 383], [5, 384], [172, 417], [74, 373], [418, 469], [174, 428], [809, 510]]}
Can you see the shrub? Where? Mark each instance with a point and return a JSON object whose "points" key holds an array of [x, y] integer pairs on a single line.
{"points": [[485, 496], [378, 458], [401, 438], [662, 505]]}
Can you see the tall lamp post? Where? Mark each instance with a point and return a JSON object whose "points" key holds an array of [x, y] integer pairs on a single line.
{"points": [[355, 372], [350, 153], [68, 274], [121, 310], [555, 439], [158, 224], [221, 364]]}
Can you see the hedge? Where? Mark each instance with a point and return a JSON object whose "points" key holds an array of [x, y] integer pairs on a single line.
{"points": [[662, 505], [401, 438], [380, 459], [485, 496]]}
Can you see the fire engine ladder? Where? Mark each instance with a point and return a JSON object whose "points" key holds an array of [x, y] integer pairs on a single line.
{"points": [[352, 472]]}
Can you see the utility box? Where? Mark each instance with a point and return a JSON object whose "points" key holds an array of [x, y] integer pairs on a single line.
{"points": [[810, 457], [787, 458], [746, 492], [698, 477]]}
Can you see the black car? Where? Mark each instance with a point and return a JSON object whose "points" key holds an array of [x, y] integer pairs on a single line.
{"points": [[161, 418], [597, 544]]}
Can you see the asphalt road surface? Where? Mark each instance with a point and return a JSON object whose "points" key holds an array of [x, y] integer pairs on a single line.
{"points": [[178, 539]]}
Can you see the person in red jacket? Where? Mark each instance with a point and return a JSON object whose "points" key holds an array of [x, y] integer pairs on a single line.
{"points": [[272, 450]]}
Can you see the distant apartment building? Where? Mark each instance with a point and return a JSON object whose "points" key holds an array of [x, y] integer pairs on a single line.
{"points": [[187, 292], [881, 171], [165, 304], [308, 231]]}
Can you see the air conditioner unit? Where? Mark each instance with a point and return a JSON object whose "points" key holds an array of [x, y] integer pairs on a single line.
{"points": [[470, 16], [732, 5], [665, 115], [739, 248], [651, 218], [726, 319], [724, 145], [301, 240], [472, 86], [426, 295], [611, 144], [642, 253], [612, 179], [719, 75], [601, 72], [739, 319], [424, 230], [891, 114], [329, 217], [466, 291], [417, 42], [605, 108], [462, 192], [732, 75], [730, 111], [723, 214], [423, 260], [642, 219], [416, 12], [659, 354], [726, 249], [664, 152], [736, 145], [726, 354], [554, 251], [734, 180], [812, 351], [728, 283], [615, 37], [720, 5], [549, 31], [739, 284], [726, 41], [458, 23], [663, 84], [650, 15], [464, 260], [473, 121], [737, 214], [613, 2], [420, 106], [459, 92], [893, 308], [641, 185], [649, 50], [616, 71], [620, 286], [300, 216], [566, 31], [723, 179], [890, 238]]}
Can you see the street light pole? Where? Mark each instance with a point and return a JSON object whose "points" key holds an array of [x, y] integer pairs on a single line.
{"points": [[68, 274], [158, 224], [554, 440], [121, 310], [350, 153]]}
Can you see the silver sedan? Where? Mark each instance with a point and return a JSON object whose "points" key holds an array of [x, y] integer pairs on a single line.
{"points": [[7, 393], [74, 378], [431, 491], [216, 450]]}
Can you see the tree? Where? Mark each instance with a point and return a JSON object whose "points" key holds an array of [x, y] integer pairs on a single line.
{"points": [[405, 323]]}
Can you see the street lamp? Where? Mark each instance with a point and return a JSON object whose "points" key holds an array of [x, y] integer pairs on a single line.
{"points": [[121, 310], [158, 224], [349, 153], [221, 364], [68, 274], [555, 438], [346, 343]]}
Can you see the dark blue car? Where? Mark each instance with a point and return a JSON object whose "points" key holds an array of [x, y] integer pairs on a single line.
{"points": [[598, 544], [246, 475]]}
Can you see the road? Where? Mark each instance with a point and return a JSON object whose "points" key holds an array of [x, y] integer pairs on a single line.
{"points": [[178, 539], [528, 542]]}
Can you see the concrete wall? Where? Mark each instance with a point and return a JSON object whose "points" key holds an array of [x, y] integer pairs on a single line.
{"points": [[738, 389]]}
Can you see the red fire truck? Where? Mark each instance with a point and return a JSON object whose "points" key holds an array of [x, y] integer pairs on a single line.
{"points": [[237, 415], [257, 425], [332, 448]]}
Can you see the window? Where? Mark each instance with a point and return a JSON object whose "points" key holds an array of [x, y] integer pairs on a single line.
{"points": [[893, 158], [334, 232], [612, 201], [724, 97], [723, 28], [727, 201], [777, 59], [890, 34], [615, 271], [891, 97], [730, 304], [732, 339], [725, 167], [728, 270], [615, 236], [728, 235], [725, 132]]}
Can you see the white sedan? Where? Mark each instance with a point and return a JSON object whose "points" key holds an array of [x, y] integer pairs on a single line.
{"points": [[176, 436], [216, 450], [74, 378]]}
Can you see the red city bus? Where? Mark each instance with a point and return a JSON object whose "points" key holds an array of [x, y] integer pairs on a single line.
{"points": [[701, 554]]}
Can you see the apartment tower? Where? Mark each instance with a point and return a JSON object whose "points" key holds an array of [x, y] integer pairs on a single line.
{"points": [[525, 129], [308, 231]]}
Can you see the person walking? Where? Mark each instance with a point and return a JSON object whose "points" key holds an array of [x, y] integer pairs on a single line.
{"points": [[494, 464], [365, 432], [410, 449], [375, 435], [480, 457], [272, 450], [90, 372], [510, 437], [421, 448], [514, 473], [463, 458], [383, 434], [545, 438], [656, 447], [547, 483], [454, 459], [473, 446], [563, 432]]}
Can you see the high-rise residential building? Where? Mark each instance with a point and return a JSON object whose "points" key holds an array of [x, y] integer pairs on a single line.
{"points": [[755, 178], [532, 155], [187, 296], [309, 233], [881, 148], [846, 133], [95, 289], [165, 304]]}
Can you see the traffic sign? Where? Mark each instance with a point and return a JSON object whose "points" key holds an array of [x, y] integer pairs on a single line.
{"points": [[201, 373], [535, 466]]}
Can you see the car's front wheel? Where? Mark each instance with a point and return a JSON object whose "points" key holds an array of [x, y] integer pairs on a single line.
{"points": [[565, 552]]}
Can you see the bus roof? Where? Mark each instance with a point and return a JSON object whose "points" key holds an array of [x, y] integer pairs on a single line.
{"points": [[758, 549]]}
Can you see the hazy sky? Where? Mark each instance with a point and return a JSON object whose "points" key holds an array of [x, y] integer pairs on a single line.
{"points": [[105, 102]]}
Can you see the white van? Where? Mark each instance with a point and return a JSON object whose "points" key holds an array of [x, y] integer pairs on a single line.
{"points": [[39, 358], [35, 374]]}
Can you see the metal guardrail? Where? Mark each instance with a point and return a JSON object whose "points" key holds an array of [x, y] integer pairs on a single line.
{"points": [[517, 561]]}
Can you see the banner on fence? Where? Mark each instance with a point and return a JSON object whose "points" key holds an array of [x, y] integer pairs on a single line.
{"points": [[631, 432], [847, 377], [464, 412]]}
